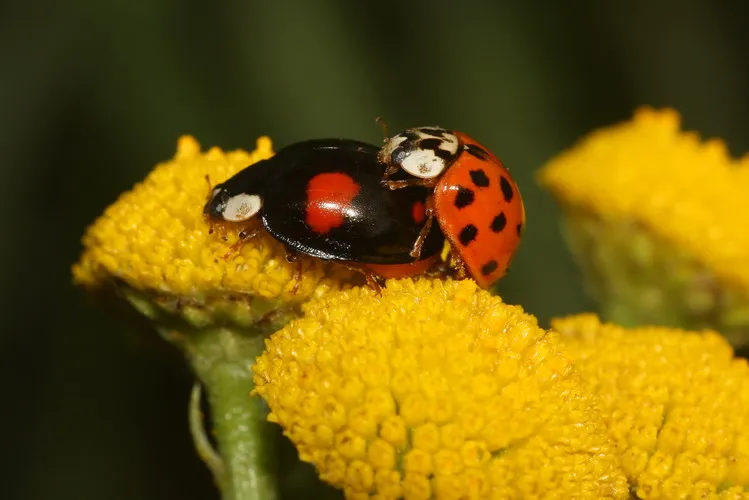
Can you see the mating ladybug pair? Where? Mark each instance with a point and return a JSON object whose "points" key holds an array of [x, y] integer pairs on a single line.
{"points": [[373, 209]]}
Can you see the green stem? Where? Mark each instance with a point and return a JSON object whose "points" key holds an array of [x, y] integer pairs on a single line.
{"points": [[222, 360]]}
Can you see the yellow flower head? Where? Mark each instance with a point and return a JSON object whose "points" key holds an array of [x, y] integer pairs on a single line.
{"points": [[676, 402], [154, 239], [689, 192], [436, 389]]}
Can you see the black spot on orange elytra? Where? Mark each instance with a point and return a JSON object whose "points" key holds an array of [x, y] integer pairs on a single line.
{"points": [[506, 188], [489, 267], [468, 234], [479, 178], [464, 197], [499, 223]]}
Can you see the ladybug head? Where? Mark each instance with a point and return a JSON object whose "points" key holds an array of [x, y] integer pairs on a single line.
{"points": [[423, 152], [231, 207]]}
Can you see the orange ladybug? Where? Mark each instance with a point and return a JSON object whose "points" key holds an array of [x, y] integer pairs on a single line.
{"points": [[473, 197]]}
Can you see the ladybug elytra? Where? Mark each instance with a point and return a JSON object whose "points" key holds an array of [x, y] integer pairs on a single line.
{"points": [[474, 198]]}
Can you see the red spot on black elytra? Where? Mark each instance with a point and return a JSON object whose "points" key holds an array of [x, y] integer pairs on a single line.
{"points": [[327, 195], [418, 212]]}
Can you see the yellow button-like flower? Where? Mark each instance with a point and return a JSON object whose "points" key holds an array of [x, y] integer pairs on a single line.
{"points": [[436, 389], [155, 240], [690, 192], [675, 402], [657, 219]]}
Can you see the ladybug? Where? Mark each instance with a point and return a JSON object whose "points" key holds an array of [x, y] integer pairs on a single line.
{"points": [[323, 198], [474, 198]]}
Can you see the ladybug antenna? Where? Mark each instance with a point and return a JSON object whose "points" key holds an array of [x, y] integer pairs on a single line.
{"points": [[208, 198], [210, 188], [384, 125]]}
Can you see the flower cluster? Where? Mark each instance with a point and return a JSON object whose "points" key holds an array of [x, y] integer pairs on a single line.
{"points": [[440, 390], [675, 402], [437, 389], [655, 217], [155, 240], [691, 192]]}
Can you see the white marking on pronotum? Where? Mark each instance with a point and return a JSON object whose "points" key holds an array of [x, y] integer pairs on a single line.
{"points": [[241, 207], [425, 163]]}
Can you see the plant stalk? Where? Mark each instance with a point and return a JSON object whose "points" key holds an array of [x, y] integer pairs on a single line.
{"points": [[222, 360]]}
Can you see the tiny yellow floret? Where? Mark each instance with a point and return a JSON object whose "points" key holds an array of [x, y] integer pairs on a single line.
{"points": [[154, 238], [689, 192], [675, 402], [436, 389]]}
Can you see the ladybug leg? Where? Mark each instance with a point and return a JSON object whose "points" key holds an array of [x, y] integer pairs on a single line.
{"points": [[373, 282], [293, 257], [219, 227], [390, 169], [393, 185], [460, 268], [297, 277], [244, 235], [419, 243]]}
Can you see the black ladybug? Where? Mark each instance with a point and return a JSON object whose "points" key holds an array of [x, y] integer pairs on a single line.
{"points": [[323, 198]]}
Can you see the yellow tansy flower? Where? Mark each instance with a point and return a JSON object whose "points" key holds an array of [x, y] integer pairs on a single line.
{"points": [[154, 240], [436, 389], [154, 247], [675, 402], [657, 219]]}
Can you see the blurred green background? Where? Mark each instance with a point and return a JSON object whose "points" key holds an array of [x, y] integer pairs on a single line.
{"points": [[94, 93]]}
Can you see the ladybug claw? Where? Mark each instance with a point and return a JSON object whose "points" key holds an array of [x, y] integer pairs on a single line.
{"points": [[243, 236], [373, 283], [460, 269], [297, 276], [291, 255]]}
